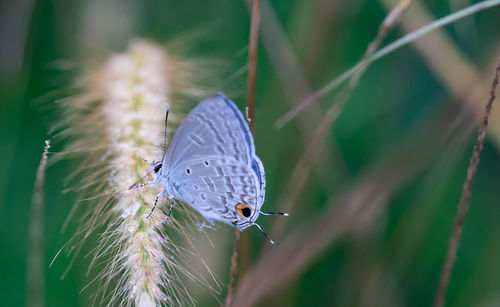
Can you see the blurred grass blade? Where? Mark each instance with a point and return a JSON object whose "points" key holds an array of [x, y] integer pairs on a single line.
{"points": [[408, 38], [35, 276], [315, 145]]}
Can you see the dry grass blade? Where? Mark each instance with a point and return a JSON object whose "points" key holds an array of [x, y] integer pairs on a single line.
{"points": [[408, 38], [285, 63], [35, 267], [450, 64], [290, 73], [355, 209], [301, 171], [389, 21], [464, 200], [250, 109], [303, 167]]}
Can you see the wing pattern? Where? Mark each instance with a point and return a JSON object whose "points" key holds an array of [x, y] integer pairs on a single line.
{"points": [[212, 163], [215, 185]]}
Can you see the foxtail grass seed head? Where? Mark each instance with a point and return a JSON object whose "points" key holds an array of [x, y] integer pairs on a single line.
{"points": [[116, 120]]}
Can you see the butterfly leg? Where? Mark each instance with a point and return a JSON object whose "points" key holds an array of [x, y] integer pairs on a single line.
{"points": [[156, 202], [204, 225], [170, 212], [136, 186]]}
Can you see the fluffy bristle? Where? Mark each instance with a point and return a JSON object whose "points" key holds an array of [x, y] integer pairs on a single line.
{"points": [[117, 118]]}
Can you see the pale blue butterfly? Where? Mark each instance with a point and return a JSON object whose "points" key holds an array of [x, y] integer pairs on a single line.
{"points": [[211, 165]]}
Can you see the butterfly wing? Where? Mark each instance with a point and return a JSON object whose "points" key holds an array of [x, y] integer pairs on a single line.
{"points": [[216, 185], [215, 132]]}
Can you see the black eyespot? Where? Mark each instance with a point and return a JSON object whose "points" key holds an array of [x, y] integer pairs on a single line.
{"points": [[246, 212], [188, 171], [157, 168], [206, 163]]}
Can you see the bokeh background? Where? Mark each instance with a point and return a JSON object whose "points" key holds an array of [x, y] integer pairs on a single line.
{"points": [[370, 226]]}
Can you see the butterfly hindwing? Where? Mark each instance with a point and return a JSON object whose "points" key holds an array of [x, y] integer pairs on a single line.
{"points": [[216, 185]]}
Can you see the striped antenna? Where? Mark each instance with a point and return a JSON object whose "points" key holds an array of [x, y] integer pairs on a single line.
{"points": [[264, 233], [165, 136], [274, 212]]}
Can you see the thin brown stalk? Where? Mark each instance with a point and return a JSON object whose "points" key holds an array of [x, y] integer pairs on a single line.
{"points": [[234, 268], [308, 159], [389, 21], [252, 62], [35, 267], [250, 115], [464, 200]]}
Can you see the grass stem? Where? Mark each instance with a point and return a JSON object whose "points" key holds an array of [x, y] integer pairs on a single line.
{"points": [[405, 40], [464, 200], [250, 115], [35, 267]]}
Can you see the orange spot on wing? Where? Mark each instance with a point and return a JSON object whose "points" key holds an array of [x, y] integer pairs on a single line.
{"points": [[243, 210]]}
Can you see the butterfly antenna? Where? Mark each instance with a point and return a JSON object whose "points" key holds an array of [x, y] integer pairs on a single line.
{"points": [[165, 135], [136, 184], [144, 159], [264, 233], [274, 212]]}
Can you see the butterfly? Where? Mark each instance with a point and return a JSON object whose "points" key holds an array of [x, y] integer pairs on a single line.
{"points": [[211, 165]]}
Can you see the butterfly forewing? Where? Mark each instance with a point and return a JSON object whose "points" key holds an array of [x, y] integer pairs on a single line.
{"points": [[211, 161], [214, 127]]}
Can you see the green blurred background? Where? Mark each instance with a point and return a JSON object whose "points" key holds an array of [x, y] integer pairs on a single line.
{"points": [[403, 127]]}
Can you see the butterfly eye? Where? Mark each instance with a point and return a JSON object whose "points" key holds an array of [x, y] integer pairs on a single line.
{"points": [[243, 210], [157, 168]]}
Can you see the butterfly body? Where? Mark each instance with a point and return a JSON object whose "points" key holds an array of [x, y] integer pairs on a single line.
{"points": [[211, 165]]}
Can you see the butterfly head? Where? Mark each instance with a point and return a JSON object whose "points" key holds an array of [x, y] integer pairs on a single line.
{"points": [[156, 169]]}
